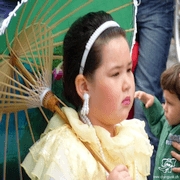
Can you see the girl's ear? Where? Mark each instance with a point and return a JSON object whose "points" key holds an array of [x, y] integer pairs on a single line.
{"points": [[81, 85]]}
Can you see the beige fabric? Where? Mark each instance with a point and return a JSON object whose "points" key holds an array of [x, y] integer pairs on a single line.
{"points": [[60, 154]]}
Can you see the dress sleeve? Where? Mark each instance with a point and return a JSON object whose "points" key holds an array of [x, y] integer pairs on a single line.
{"points": [[47, 159]]}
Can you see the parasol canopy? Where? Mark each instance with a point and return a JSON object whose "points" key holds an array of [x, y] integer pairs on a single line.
{"points": [[31, 41]]}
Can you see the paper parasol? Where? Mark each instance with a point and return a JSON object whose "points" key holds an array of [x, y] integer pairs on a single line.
{"points": [[31, 41]]}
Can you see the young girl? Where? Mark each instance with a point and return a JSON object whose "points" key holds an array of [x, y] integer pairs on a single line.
{"points": [[165, 124], [98, 81]]}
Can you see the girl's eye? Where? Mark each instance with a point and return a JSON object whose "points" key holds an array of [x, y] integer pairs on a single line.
{"points": [[129, 70], [116, 74]]}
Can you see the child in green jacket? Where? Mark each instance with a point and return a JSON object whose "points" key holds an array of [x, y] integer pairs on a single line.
{"points": [[164, 121]]}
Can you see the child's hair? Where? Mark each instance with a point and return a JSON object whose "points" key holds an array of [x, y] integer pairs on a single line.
{"points": [[170, 80]]}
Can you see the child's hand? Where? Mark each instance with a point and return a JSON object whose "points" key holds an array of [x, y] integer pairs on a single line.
{"points": [[146, 98], [120, 172], [176, 156]]}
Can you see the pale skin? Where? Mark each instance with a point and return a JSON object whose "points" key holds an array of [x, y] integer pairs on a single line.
{"points": [[171, 111], [111, 92]]}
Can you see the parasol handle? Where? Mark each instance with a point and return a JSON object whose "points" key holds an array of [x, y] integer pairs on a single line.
{"points": [[97, 156], [51, 102], [94, 153]]}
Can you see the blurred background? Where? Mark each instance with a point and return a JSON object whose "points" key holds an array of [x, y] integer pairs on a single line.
{"points": [[6, 6]]}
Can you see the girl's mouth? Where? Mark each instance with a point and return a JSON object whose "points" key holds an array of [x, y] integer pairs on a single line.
{"points": [[126, 101]]}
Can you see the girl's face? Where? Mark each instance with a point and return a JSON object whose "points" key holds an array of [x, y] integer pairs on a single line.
{"points": [[171, 108], [112, 88]]}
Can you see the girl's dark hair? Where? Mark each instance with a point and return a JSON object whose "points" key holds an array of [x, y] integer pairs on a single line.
{"points": [[74, 45], [170, 80]]}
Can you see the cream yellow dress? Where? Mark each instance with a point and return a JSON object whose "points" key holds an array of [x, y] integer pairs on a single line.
{"points": [[60, 154]]}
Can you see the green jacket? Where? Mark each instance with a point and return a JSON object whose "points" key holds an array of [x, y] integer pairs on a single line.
{"points": [[166, 134]]}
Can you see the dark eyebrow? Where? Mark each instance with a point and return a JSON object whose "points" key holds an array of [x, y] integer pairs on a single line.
{"points": [[120, 67]]}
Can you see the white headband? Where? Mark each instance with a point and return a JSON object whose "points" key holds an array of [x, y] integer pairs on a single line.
{"points": [[93, 38]]}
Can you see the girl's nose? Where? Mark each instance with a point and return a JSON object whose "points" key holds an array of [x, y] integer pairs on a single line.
{"points": [[127, 84]]}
